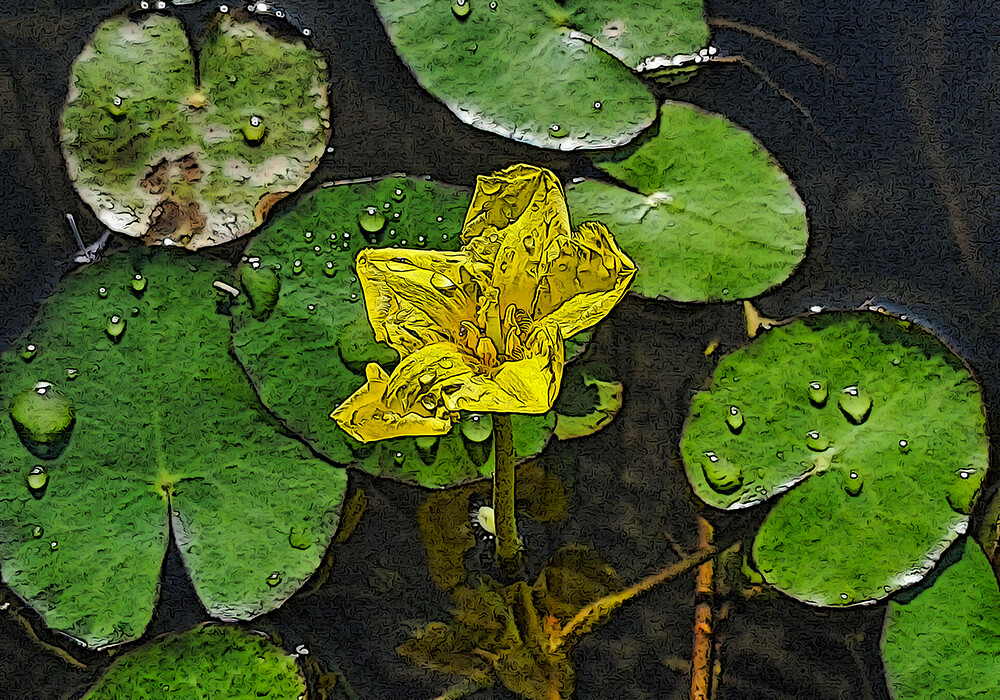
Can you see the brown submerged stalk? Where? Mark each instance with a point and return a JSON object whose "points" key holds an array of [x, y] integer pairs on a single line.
{"points": [[701, 657]]}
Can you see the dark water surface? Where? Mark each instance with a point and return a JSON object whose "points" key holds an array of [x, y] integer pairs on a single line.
{"points": [[899, 179]]}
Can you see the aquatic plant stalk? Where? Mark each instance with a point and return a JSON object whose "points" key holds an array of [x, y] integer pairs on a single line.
{"points": [[508, 544], [701, 657]]}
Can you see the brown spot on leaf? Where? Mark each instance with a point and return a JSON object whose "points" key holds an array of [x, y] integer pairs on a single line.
{"points": [[167, 172], [178, 221]]}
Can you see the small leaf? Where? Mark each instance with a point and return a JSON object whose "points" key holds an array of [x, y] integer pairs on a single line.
{"points": [[203, 664], [704, 211], [605, 408]]}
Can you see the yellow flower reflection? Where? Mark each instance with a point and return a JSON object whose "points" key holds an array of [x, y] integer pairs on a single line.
{"points": [[482, 329]]}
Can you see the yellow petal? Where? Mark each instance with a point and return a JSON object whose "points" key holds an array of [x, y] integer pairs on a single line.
{"points": [[431, 384], [418, 297], [583, 283]]}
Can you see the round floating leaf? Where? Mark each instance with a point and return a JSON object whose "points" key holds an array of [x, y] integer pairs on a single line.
{"points": [[308, 352], [549, 73], [168, 433], [205, 663], [875, 496], [944, 640], [159, 156], [704, 211]]}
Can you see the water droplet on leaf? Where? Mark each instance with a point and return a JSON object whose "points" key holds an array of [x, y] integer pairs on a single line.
{"points": [[855, 403], [722, 476], [398, 195], [817, 442], [372, 221], [274, 579], [297, 267], [442, 282], [328, 269], [817, 393], [734, 419], [38, 531], [29, 352], [115, 327], [298, 538], [138, 284], [853, 483], [43, 416], [904, 446], [253, 131], [461, 8], [477, 427], [38, 479], [102, 292], [557, 131], [54, 545]]}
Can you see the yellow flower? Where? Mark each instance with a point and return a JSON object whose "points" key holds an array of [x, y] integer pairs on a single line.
{"points": [[482, 329]]}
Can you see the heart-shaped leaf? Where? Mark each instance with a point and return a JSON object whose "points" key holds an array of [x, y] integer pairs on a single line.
{"points": [[550, 73], [168, 434], [875, 430], [305, 338], [167, 148], [206, 663], [944, 640], [703, 210]]}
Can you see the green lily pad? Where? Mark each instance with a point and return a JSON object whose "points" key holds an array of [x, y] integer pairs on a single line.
{"points": [[701, 207], [549, 73], [168, 435], [602, 411], [306, 345], [881, 468], [944, 640], [203, 664], [172, 149]]}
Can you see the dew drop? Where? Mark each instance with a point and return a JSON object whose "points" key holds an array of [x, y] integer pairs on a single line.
{"points": [[597, 105], [307, 32], [138, 284], [386, 205], [398, 195], [302, 650], [253, 130], [855, 404], [143, 5], [817, 442], [493, 5], [843, 596], [477, 427], [395, 216], [134, 311], [43, 416], [72, 373], [353, 297], [54, 545], [896, 361], [115, 327], [223, 9], [311, 307], [854, 483], [102, 292], [317, 250], [904, 446], [38, 479], [722, 476], [274, 579], [297, 267], [29, 352], [371, 220], [557, 131], [965, 473], [461, 8], [392, 233], [329, 270], [734, 419], [817, 393], [38, 531]]}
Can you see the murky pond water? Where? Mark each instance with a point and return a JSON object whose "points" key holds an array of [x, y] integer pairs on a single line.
{"points": [[897, 171]]}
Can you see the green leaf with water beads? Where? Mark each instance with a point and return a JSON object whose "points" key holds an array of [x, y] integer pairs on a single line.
{"points": [[309, 352], [205, 663], [163, 145], [702, 209], [167, 434], [875, 491], [943, 640], [550, 73]]}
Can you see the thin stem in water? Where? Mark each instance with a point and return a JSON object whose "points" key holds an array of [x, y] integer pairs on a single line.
{"points": [[508, 543]]}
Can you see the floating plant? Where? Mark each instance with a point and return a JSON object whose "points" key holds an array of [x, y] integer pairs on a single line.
{"points": [[206, 662], [943, 640], [704, 210], [160, 431], [572, 81], [878, 480], [170, 160], [301, 359]]}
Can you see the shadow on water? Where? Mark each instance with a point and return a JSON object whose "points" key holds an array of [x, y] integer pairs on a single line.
{"points": [[901, 199]]}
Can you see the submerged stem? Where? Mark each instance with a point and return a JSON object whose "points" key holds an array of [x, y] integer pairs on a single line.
{"points": [[508, 543]]}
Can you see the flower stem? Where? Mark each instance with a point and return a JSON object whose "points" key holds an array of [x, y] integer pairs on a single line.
{"points": [[508, 543]]}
